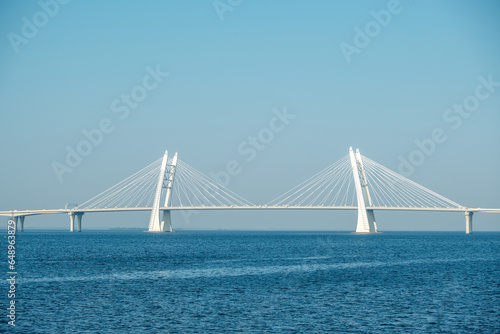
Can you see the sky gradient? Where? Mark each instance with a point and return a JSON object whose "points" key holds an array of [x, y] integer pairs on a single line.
{"points": [[211, 75]]}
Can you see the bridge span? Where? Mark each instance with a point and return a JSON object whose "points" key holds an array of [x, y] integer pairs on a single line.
{"points": [[354, 182]]}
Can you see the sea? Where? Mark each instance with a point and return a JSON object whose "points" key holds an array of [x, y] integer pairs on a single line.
{"points": [[128, 281]]}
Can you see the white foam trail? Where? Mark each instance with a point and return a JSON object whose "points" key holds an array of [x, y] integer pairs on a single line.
{"points": [[230, 272]]}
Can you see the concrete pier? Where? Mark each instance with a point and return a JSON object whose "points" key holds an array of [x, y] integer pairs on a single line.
{"points": [[71, 221], [20, 224], [75, 224], [79, 221], [468, 222]]}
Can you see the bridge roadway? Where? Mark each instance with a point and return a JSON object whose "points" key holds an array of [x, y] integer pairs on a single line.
{"points": [[17, 213]]}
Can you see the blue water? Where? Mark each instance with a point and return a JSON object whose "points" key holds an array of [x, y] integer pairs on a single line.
{"points": [[254, 282]]}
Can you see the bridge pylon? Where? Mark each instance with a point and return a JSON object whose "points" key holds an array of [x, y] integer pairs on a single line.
{"points": [[366, 218], [166, 223], [165, 181]]}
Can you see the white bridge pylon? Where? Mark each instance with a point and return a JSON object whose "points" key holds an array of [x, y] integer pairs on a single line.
{"points": [[154, 185], [366, 218], [356, 181], [165, 181]]}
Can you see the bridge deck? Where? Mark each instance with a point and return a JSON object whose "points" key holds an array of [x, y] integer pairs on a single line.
{"points": [[256, 207]]}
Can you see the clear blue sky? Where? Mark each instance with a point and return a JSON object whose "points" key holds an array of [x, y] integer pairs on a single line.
{"points": [[226, 76]]}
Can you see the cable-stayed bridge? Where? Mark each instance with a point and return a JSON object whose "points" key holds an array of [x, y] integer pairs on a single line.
{"points": [[354, 182]]}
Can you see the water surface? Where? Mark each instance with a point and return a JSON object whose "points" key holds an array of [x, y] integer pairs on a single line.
{"points": [[253, 282]]}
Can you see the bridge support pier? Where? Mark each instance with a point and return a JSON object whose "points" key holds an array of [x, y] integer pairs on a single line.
{"points": [[468, 222], [79, 221], [71, 221], [14, 218], [20, 228]]}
